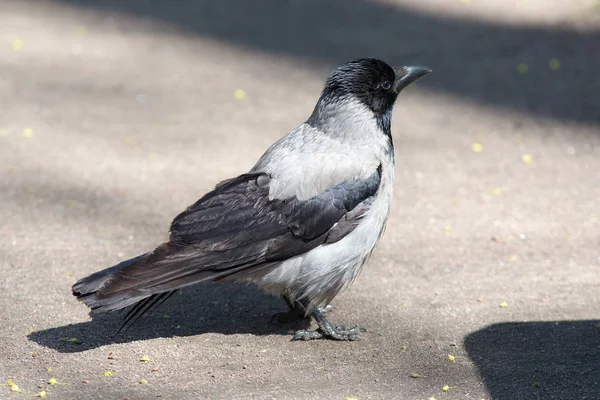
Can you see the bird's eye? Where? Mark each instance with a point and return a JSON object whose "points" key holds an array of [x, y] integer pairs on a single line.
{"points": [[386, 85]]}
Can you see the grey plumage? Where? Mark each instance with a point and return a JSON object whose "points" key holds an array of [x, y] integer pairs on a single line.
{"points": [[301, 223]]}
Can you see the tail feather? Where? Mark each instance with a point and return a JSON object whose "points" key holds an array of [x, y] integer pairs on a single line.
{"points": [[169, 267], [86, 289]]}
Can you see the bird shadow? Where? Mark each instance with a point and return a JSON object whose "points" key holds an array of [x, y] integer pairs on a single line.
{"points": [[538, 360], [226, 309]]}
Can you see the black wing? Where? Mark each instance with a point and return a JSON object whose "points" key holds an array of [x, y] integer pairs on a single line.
{"points": [[234, 228]]}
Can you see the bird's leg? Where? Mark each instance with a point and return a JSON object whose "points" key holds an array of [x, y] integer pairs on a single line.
{"points": [[296, 312], [325, 310], [327, 331]]}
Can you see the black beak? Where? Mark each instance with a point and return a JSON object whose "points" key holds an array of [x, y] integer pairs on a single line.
{"points": [[407, 75]]}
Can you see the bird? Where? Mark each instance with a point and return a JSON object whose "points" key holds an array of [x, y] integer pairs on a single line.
{"points": [[300, 224]]}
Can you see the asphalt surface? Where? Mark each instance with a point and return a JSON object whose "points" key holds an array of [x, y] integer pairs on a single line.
{"points": [[115, 115]]}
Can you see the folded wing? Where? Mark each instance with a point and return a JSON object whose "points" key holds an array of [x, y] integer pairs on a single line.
{"points": [[233, 229]]}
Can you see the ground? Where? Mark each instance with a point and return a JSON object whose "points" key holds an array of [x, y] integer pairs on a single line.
{"points": [[115, 115]]}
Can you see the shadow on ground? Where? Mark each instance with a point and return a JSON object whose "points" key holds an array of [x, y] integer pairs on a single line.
{"points": [[538, 360], [473, 59], [227, 309]]}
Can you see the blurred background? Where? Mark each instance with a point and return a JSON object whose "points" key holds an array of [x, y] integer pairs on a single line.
{"points": [[115, 115]]}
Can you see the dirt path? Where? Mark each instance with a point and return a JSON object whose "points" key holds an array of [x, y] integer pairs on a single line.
{"points": [[114, 117]]}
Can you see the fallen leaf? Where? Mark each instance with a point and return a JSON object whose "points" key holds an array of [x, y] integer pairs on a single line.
{"points": [[16, 44], [522, 68], [476, 147], [239, 94], [27, 133], [527, 158]]}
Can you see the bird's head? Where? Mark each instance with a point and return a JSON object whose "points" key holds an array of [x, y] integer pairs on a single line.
{"points": [[371, 81]]}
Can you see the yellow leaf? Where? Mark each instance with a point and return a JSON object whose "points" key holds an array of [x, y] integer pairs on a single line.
{"points": [[451, 357], [503, 304], [239, 94], [142, 381], [16, 44], [522, 68], [527, 158], [52, 381], [27, 133], [107, 373], [476, 147]]}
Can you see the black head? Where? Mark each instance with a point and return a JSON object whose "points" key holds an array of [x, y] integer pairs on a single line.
{"points": [[372, 81]]}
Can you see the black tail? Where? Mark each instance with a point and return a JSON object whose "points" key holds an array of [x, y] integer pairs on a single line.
{"points": [[86, 289]]}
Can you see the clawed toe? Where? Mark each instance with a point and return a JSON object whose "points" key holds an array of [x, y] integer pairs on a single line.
{"points": [[332, 334], [345, 330]]}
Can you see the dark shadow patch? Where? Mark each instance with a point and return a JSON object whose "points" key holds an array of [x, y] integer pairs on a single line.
{"points": [[538, 360], [228, 309], [473, 59]]}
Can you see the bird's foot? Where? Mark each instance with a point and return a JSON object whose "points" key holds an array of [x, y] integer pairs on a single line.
{"points": [[337, 333], [349, 331], [328, 331]]}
